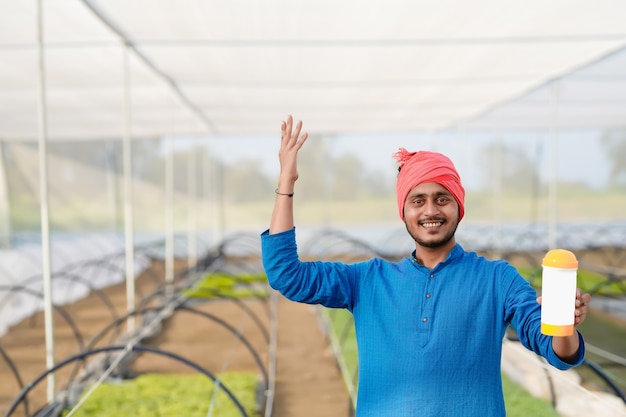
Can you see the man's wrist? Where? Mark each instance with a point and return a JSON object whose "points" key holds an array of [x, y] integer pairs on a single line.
{"points": [[285, 194]]}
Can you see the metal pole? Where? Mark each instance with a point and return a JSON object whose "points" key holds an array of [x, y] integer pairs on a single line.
{"points": [[192, 218], [5, 207], [129, 242], [169, 212], [552, 189], [43, 196], [111, 184], [328, 178], [497, 197], [207, 177], [218, 201]]}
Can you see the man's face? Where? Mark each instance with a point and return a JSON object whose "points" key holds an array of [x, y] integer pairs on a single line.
{"points": [[431, 215]]}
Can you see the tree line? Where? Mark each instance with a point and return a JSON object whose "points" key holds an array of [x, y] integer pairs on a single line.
{"points": [[322, 174]]}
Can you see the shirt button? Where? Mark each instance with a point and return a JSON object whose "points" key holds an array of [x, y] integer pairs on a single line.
{"points": [[425, 319], [427, 295], [432, 275]]}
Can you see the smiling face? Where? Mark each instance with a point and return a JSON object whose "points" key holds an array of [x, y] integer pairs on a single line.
{"points": [[431, 216]]}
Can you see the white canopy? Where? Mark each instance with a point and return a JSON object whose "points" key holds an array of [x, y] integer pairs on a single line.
{"points": [[345, 66]]}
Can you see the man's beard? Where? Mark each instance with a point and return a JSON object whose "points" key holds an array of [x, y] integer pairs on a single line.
{"points": [[433, 244]]}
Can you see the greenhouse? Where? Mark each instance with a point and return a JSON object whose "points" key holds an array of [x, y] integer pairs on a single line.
{"points": [[139, 163]]}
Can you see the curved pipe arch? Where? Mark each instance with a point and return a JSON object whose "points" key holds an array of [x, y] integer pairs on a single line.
{"points": [[209, 316], [16, 373], [607, 380], [235, 300], [137, 348], [235, 332], [73, 278], [77, 335]]}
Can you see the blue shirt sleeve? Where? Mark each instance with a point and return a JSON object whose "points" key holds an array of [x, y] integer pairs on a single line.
{"points": [[314, 282], [524, 314]]}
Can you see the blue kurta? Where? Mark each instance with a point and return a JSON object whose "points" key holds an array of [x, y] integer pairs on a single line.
{"points": [[429, 341]]}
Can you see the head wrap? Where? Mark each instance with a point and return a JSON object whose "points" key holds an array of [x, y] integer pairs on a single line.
{"points": [[424, 166]]}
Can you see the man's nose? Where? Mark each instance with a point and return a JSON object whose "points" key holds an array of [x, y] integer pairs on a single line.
{"points": [[430, 207]]}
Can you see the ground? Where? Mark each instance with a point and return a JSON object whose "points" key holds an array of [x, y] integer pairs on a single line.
{"points": [[308, 382]]}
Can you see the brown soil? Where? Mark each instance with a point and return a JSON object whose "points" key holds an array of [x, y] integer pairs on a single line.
{"points": [[308, 382]]}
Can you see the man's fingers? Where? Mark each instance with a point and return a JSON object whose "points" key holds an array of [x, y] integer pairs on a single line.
{"points": [[583, 299], [582, 307], [296, 133], [288, 131], [285, 128], [292, 133], [303, 139]]}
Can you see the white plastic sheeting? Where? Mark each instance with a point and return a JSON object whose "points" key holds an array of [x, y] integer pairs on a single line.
{"points": [[593, 97], [349, 66]]}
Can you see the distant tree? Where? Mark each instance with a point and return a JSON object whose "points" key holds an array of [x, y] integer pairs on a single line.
{"points": [[351, 179], [207, 166], [148, 162], [345, 177], [614, 145], [518, 172], [348, 174], [245, 182], [379, 183], [315, 165], [88, 152]]}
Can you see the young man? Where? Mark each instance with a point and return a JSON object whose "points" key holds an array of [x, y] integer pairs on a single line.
{"points": [[429, 327]]}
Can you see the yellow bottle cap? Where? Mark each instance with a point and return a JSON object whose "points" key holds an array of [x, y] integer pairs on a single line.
{"points": [[560, 258]]}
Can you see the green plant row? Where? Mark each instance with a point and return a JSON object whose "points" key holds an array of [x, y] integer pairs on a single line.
{"points": [[587, 281], [217, 285], [156, 395]]}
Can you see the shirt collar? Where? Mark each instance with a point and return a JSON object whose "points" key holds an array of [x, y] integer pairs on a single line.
{"points": [[454, 253]]}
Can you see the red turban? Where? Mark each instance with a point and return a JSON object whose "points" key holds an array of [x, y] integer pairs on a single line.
{"points": [[424, 166]]}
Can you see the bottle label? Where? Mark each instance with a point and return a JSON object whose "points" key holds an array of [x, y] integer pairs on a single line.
{"points": [[558, 301]]}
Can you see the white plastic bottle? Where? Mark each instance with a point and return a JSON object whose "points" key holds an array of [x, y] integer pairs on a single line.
{"points": [[558, 292]]}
